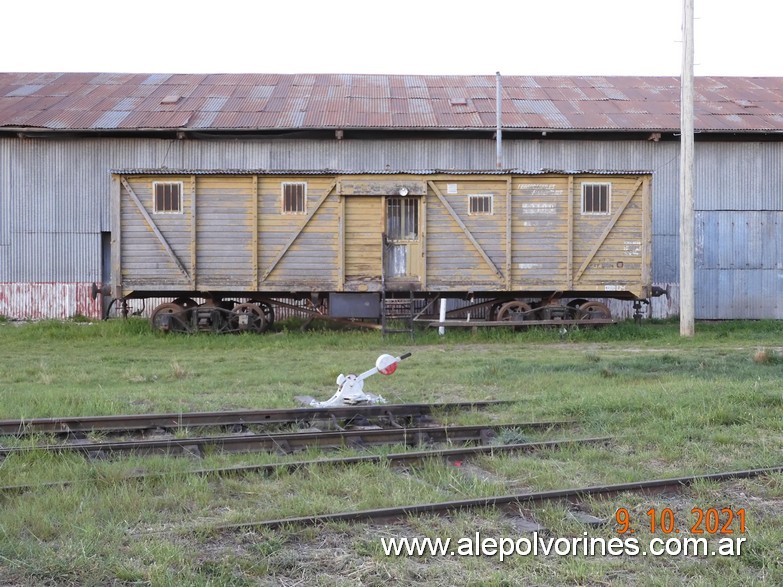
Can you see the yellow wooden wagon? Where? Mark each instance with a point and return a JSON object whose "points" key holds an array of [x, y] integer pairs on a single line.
{"points": [[533, 247]]}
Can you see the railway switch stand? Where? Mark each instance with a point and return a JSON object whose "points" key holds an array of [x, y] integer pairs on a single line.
{"points": [[350, 388]]}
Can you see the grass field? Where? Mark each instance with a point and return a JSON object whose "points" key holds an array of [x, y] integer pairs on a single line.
{"points": [[673, 407]]}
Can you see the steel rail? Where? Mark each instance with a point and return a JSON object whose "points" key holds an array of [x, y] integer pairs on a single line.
{"points": [[391, 459], [133, 422], [498, 500], [287, 442]]}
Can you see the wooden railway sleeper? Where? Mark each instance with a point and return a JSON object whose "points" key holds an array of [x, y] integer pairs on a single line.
{"points": [[283, 447], [422, 439], [487, 436], [193, 450], [356, 442]]}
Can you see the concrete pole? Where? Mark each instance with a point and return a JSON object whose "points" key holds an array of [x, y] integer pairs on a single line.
{"points": [[687, 249], [442, 329]]}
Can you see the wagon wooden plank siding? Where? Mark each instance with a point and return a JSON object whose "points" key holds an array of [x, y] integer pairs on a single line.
{"points": [[541, 224], [225, 232], [464, 245], [297, 228], [155, 251], [609, 250], [325, 237]]}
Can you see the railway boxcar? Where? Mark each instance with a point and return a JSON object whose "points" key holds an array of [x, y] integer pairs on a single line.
{"points": [[348, 243]]}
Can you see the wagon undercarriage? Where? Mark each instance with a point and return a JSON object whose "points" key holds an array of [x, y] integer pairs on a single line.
{"points": [[218, 316], [257, 315], [545, 311], [528, 312]]}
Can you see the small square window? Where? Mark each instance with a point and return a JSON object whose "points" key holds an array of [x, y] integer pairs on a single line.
{"points": [[167, 197], [480, 204], [596, 198], [294, 198]]}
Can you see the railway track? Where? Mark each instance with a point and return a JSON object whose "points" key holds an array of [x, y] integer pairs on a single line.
{"points": [[288, 442], [578, 493], [175, 421], [393, 459]]}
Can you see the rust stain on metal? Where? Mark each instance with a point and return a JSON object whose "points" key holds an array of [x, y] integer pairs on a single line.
{"points": [[34, 301]]}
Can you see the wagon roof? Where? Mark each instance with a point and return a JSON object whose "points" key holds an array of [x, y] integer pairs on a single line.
{"points": [[330, 172], [284, 102]]}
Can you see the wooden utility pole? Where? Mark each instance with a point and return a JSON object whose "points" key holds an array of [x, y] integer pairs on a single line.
{"points": [[687, 248]]}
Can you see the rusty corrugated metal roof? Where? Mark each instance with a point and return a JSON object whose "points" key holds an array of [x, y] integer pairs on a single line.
{"points": [[116, 101], [167, 171]]}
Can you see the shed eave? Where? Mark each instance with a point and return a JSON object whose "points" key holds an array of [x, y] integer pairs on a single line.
{"points": [[37, 130]]}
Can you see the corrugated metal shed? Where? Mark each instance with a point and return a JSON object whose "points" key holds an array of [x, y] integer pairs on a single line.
{"points": [[54, 190], [89, 101], [68, 191]]}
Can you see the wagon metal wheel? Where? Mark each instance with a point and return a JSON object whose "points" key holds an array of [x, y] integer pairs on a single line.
{"points": [[492, 314], [169, 318], [248, 317], [514, 311], [269, 313], [595, 310]]}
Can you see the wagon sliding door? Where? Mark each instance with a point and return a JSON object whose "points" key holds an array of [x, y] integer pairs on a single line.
{"points": [[363, 242]]}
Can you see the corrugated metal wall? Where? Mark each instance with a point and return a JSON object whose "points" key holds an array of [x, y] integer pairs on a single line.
{"points": [[739, 263], [5, 202], [54, 197]]}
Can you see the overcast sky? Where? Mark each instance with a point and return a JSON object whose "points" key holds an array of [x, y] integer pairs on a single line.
{"points": [[515, 37]]}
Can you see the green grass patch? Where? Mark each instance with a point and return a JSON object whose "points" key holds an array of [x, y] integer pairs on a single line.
{"points": [[673, 406]]}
